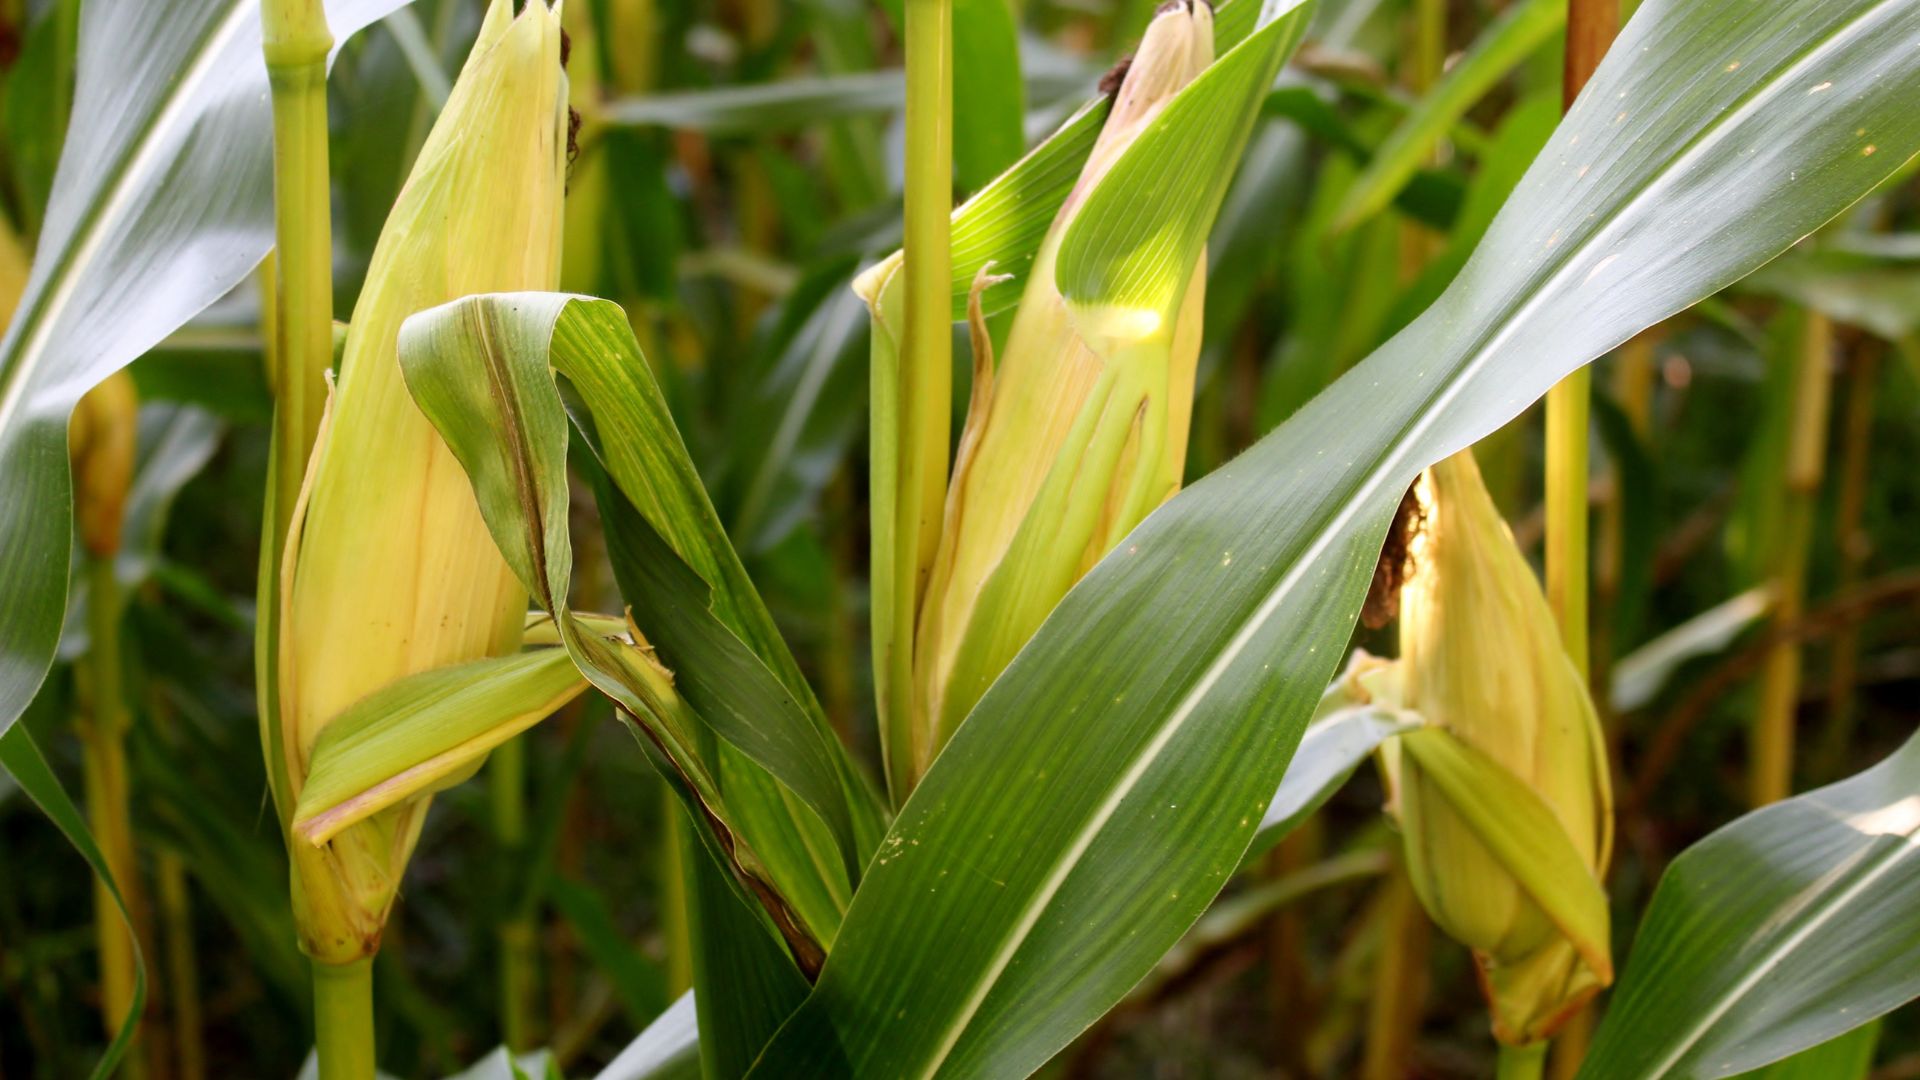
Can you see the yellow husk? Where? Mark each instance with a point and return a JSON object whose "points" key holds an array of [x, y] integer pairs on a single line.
{"points": [[1482, 658], [1076, 439], [101, 440], [392, 571]]}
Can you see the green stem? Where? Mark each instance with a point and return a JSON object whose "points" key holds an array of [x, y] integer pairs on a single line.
{"points": [[103, 735], [926, 362], [299, 319], [1854, 544], [1522, 1062], [1591, 26], [296, 45], [1770, 769], [507, 772], [183, 970], [343, 1019]]}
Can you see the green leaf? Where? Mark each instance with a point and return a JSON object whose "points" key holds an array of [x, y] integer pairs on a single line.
{"points": [[667, 1050], [1331, 749], [162, 203], [1107, 785], [1641, 674], [1849, 1057], [1779, 932], [20, 758], [1507, 40], [1523, 832], [425, 733], [1857, 288], [990, 101], [483, 370]]}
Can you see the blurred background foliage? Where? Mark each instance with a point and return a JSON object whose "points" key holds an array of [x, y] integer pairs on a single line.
{"points": [[738, 162]]}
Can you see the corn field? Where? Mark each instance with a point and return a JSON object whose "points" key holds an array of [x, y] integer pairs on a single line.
{"points": [[651, 539]]}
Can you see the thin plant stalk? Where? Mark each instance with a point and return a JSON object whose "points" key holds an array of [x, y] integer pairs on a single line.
{"points": [[1399, 980], [343, 1019], [1591, 28], [183, 969], [1522, 1062], [1853, 544], [103, 733], [516, 933], [1770, 764], [926, 375], [296, 41]]}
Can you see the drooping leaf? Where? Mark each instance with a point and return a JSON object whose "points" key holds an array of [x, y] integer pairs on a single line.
{"points": [[162, 202], [1104, 788], [483, 370], [1779, 932]]}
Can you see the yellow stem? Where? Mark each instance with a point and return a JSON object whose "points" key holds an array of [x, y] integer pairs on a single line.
{"points": [[1770, 770], [183, 970], [103, 732]]}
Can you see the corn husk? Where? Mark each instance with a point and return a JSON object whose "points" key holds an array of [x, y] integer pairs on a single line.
{"points": [[391, 570], [101, 441], [1075, 432], [1481, 659]]}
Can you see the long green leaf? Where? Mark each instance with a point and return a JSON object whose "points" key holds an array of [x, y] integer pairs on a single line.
{"points": [[20, 758], [1330, 750], [1849, 1057], [1092, 805], [1506, 41], [161, 204], [1785, 929]]}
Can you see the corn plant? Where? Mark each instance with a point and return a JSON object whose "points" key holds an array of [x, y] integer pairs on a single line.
{"points": [[1230, 321]]}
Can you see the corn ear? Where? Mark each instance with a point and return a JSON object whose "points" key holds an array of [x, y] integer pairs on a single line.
{"points": [[391, 571], [1080, 432], [1505, 803], [101, 439]]}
